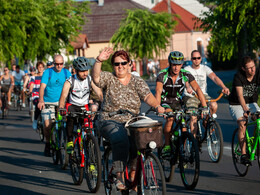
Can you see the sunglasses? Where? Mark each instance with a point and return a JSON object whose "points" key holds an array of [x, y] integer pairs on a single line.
{"points": [[122, 63], [196, 58], [58, 64]]}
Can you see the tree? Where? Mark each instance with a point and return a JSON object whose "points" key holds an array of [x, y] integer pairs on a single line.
{"points": [[143, 33], [234, 25], [34, 28]]}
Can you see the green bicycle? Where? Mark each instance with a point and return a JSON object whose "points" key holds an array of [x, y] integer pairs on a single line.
{"points": [[252, 145]]}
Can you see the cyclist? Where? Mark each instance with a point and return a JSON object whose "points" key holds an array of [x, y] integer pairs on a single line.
{"points": [[27, 78], [19, 77], [7, 83], [243, 98], [122, 90], [49, 93], [34, 83], [77, 87], [170, 85], [201, 72], [49, 64]]}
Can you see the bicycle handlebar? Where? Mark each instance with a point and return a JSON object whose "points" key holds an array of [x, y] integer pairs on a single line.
{"points": [[212, 100]]}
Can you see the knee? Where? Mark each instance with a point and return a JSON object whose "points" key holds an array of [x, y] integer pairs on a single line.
{"points": [[214, 105]]}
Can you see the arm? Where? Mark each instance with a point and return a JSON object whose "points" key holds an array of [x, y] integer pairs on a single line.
{"points": [[98, 91], [218, 82], [64, 94], [153, 102], [31, 87], [12, 83], [241, 98], [158, 91], [41, 94], [104, 55], [26, 79], [197, 89]]}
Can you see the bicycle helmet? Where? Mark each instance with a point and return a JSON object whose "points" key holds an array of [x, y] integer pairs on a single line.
{"points": [[49, 63], [176, 57], [81, 64]]}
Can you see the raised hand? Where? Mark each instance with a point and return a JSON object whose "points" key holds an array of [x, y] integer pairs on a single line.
{"points": [[104, 55]]}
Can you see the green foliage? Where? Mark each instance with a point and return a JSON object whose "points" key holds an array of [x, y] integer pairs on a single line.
{"points": [[34, 28], [234, 25], [143, 33]]}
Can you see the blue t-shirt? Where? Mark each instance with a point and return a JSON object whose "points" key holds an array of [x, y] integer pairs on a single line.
{"points": [[54, 85]]}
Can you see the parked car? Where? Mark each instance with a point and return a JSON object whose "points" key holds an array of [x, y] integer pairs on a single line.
{"points": [[187, 63], [206, 62]]}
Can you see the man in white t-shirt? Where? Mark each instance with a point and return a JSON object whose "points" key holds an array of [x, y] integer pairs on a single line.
{"points": [[201, 72], [19, 77]]}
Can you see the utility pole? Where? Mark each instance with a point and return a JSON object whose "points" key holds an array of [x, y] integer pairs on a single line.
{"points": [[170, 12]]}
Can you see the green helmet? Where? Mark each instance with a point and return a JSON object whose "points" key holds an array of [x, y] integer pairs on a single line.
{"points": [[176, 57]]}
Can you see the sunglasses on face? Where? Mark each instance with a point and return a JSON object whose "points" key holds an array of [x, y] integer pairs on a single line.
{"points": [[196, 58], [58, 64], [122, 63]]}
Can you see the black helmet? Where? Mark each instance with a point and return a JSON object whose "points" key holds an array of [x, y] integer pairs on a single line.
{"points": [[81, 64], [49, 63], [176, 57]]}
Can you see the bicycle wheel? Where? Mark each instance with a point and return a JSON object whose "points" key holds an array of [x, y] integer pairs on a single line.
{"points": [[54, 146], [189, 161], [32, 108], [93, 164], [3, 107], [40, 127], [75, 169], [151, 179], [236, 154], [258, 154], [168, 166], [107, 169], [64, 157], [215, 141]]}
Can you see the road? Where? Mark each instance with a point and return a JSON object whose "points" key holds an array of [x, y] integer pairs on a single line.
{"points": [[24, 169]]}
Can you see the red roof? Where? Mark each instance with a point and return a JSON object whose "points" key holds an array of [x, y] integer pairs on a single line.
{"points": [[79, 42], [185, 22]]}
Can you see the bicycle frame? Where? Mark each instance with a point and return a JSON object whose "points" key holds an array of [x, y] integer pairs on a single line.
{"points": [[256, 140]]}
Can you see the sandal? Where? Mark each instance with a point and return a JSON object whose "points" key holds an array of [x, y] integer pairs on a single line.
{"points": [[120, 184]]}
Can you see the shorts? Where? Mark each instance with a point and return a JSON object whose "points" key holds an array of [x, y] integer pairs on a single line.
{"points": [[236, 111], [5, 89], [193, 101], [48, 112], [175, 106]]}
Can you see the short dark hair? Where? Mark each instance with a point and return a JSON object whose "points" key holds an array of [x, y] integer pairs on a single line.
{"points": [[195, 51], [245, 60], [40, 63], [17, 67], [123, 54]]}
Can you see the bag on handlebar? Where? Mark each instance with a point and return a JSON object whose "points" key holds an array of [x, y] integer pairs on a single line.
{"points": [[146, 130]]}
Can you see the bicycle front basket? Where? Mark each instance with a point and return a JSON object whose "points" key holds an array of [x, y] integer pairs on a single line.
{"points": [[146, 130]]}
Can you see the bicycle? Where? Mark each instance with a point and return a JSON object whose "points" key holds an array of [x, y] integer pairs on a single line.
{"points": [[17, 97], [252, 145], [5, 107], [58, 141], [149, 177], [40, 127], [209, 130], [185, 152], [86, 156]]}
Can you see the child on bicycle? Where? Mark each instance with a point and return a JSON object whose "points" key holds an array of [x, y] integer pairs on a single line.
{"points": [[170, 85], [77, 87]]}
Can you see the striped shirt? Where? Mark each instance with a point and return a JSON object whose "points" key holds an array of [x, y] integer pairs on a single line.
{"points": [[36, 80]]}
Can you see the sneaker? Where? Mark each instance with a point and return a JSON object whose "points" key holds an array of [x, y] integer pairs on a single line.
{"points": [[244, 160], [9, 103], [166, 151], [47, 150], [34, 125], [23, 105], [70, 147]]}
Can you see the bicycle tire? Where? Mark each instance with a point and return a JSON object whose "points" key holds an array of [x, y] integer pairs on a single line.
{"points": [[107, 166], [258, 154], [215, 141], [64, 157], [167, 165], [93, 166], [236, 154], [40, 128], [189, 160], [155, 180], [54, 148], [3, 107], [32, 111], [75, 169]]}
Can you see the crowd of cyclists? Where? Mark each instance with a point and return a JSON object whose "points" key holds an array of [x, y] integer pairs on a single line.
{"points": [[176, 87]]}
